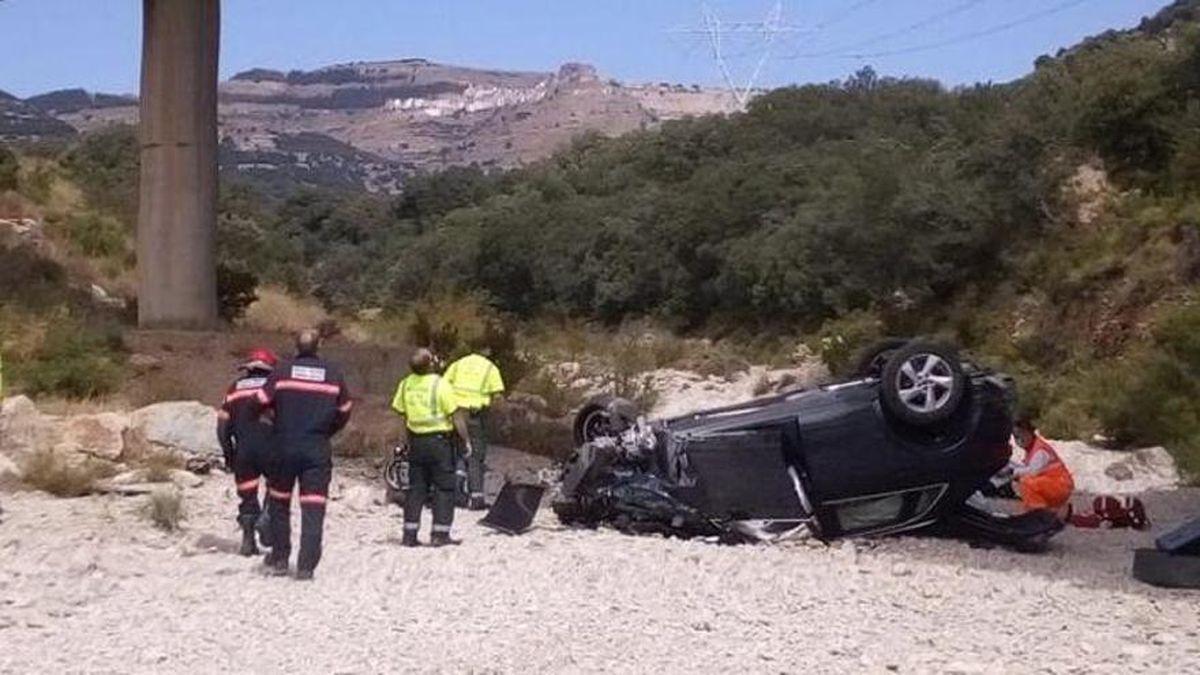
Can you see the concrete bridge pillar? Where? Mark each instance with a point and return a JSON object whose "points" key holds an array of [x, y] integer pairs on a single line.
{"points": [[176, 233]]}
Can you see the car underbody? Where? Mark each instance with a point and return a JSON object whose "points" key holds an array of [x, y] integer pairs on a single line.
{"points": [[865, 457]]}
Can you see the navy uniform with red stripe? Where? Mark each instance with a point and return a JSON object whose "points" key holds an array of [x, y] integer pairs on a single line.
{"points": [[311, 403], [245, 440]]}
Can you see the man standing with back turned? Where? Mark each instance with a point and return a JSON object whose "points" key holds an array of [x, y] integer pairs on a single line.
{"points": [[311, 403], [246, 440], [430, 410], [477, 382]]}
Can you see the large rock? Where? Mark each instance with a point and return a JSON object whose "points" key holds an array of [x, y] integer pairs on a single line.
{"points": [[185, 427], [1100, 471], [23, 429], [10, 473], [101, 436]]}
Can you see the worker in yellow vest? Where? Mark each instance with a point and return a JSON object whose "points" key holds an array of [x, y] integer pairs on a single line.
{"points": [[431, 412], [477, 383]]}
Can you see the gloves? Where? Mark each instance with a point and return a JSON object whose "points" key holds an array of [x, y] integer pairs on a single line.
{"points": [[400, 451], [468, 450]]}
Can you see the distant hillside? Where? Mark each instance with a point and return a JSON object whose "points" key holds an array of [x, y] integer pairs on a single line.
{"points": [[67, 101], [390, 118], [20, 121]]}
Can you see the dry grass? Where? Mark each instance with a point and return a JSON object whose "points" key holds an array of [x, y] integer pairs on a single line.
{"points": [[159, 386], [762, 385], [276, 311], [164, 508], [49, 472]]}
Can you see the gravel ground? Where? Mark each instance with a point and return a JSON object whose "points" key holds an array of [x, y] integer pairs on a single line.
{"points": [[88, 585]]}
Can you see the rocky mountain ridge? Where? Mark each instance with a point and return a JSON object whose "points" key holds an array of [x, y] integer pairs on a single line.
{"points": [[370, 123]]}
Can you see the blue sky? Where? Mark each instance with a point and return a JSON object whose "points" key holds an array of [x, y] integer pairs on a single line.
{"points": [[51, 44]]}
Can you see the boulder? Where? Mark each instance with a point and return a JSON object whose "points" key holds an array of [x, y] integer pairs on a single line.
{"points": [[10, 473], [23, 429], [186, 427], [100, 436]]}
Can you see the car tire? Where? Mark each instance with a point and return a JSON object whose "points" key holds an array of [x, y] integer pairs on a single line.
{"points": [[871, 361], [603, 416], [923, 384]]}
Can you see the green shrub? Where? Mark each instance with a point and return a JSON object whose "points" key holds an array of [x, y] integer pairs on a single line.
{"points": [[561, 400], [237, 289], [1153, 396], [9, 168], [38, 183], [105, 164], [74, 361], [97, 235], [456, 325], [840, 340]]}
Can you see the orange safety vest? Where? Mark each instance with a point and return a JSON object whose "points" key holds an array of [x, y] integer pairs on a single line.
{"points": [[1039, 443]]}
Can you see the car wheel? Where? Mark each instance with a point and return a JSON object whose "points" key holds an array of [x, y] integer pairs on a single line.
{"points": [[392, 477], [923, 383], [603, 416], [870, 361]]}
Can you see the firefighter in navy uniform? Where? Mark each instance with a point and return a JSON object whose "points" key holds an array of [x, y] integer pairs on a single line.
{"points": [[245, 440], [431, 413], [310, 403]]}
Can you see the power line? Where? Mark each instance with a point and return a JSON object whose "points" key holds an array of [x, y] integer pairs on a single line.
{"points": [[884, 37], [842, 16], [965, 37], [716, 31]]}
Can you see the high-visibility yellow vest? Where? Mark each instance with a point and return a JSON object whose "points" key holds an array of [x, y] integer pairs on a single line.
{"points": [[475, 380], [427, 403]]}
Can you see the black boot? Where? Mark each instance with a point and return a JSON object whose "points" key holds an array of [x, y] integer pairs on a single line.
{"points": [[304, 575], [443, 539], [249, 547], [410, 539], [262, 525], [275, 565], [478, 504]]}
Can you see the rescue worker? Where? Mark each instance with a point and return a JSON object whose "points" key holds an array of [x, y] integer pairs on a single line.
{"points": [[245, 440], [310, 403], [1043, 481], [477, 382], [431, 412]]}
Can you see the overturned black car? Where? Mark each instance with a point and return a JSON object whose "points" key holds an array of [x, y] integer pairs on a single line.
{"points": [[902, 447]]}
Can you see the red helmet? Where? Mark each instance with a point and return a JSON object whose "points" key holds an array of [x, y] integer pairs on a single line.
{"points": [[260, 359]]}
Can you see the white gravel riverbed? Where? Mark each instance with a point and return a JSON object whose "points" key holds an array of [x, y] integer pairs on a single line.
{"points": [[88, 585]]}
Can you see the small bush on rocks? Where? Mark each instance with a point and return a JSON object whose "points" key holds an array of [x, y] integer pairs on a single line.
{"points": [[165, 508], [840, 340], [49, 472]]}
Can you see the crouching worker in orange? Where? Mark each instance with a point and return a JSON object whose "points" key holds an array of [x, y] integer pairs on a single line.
{"points": [[1042, 480]]}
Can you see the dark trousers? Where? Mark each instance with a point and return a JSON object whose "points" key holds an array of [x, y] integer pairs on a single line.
{"points": [[250, 465], [477, 462], [430, 469], [307, 463]]}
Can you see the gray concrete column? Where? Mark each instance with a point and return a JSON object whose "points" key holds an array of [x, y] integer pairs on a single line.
{"points": [[176, 234]]}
